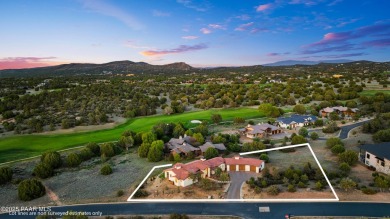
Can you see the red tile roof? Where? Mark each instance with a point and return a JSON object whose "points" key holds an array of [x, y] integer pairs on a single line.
{"points": [[243, 161]]}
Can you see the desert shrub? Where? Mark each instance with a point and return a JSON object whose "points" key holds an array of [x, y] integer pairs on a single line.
{"points": [[5, 175], [345, 168], [73, 160], [30, 189], [119, 193], [86, 154], [369, 191], [52, 158], [291, 188], [106, 170], [141, 193], [303, 132], [318, 186], [43, 170], [298, 139], [314, 136], [349, 157], [238, 120], [301, 184], [107, 149], [331, 128], [337, 149], [94, 148], [333, 141], [264, 157], [224, 177], [273, 190]]}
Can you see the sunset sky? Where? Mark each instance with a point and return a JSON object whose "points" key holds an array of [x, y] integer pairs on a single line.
{"points": [[199, 32]]}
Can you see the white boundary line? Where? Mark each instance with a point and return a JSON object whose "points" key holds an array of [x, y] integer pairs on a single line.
{"points": [[242, 200], [147, 176]]}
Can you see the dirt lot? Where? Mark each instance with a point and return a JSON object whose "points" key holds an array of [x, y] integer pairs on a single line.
{"points": [[163, 189], [299, 194], [84, 184]]}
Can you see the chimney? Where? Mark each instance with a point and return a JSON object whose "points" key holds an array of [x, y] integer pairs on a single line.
{"points": [[236, 157], [185, 135], [180, 137]]}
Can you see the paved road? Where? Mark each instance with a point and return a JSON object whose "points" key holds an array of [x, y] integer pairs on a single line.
{"points": [[345, 130], [237, 179], [241, 209]]}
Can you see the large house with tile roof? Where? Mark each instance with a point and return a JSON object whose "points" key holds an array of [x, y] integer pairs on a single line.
{"points": [[260, 130], [295, 121], [183, 174], [339, 110]]}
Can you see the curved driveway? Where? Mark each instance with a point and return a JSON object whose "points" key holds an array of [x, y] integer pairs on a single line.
{"points": [[241, 209], [344, 130]]}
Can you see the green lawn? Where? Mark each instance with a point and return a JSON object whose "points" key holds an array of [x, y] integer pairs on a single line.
{"points": [[373, 92], [24, 146]]}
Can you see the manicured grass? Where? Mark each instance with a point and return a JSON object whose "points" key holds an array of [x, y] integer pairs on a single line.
{"points": [[24, 146], [373, 92]]}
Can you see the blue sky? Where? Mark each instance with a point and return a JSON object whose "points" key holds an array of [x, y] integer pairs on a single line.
{"points": [[198, 32]]}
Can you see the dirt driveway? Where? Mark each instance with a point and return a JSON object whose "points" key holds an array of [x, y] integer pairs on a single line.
{"points": [[237, 179]]}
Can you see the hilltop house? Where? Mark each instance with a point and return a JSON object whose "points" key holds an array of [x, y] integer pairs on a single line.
{"points": [[376, 155], [339, 110], [183, 174], [260, 130], [182, 146], [295, 121], [220, 147]]}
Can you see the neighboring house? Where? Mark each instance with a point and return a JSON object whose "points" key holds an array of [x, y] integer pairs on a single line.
{"points": [[220, 147], [184, 174], [260, 130], [295, 121], [339, 110], [376, 155], [182, 146]]}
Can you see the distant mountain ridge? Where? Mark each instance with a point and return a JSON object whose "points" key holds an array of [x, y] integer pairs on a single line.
{"points": [[116, 67], [303, 62], [138, 68]]}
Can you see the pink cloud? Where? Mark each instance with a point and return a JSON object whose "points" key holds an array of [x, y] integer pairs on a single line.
{"points": [[263, 7], [217, 26], [26, 62], [205, 30], [189, 37], [180, 49], [244, 27]]}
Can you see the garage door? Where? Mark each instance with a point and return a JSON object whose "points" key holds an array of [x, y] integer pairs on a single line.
{"points": [[253, 168], [241, 167], [232, 167]]}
